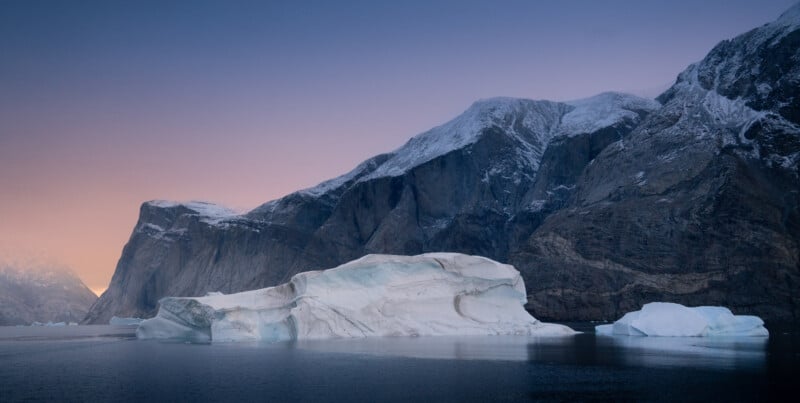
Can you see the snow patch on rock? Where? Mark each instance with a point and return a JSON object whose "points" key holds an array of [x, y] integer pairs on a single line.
{"points": [[509, 114], [209, 213], [592, 114]]}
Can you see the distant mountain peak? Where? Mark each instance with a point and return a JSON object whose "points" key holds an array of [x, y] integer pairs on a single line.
{"points": [[43, 293]]}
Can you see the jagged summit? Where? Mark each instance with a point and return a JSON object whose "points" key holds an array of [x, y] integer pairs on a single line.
{"points": [[532, 123], [748, 87], [758, 67], [790, 18]]}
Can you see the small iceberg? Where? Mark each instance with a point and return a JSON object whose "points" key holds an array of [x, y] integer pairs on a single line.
{"points": [[675, 320], [49, 324], [435, 294], [117, 321]]}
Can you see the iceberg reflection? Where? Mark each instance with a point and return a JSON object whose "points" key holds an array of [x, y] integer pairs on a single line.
{"points": [[490, 348], [581, 349], [697, 352]]}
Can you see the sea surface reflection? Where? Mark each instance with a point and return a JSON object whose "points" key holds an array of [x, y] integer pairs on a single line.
{"points": [[698, 352], [107, 363], [583, 349]]}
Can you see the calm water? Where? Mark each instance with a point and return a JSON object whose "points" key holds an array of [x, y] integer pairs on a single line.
{"points": [[105, 363]]}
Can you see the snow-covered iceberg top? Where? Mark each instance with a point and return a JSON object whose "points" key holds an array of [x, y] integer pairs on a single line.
{"points": [[377, 295], [668, 319]]}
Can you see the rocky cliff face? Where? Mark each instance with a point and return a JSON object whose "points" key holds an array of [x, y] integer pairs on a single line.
{"points": [[698, 205], [603, 204], [457, 187], [41, 294]]}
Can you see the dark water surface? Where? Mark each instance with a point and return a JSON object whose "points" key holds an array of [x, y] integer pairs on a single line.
{"points": [[106, 363]]}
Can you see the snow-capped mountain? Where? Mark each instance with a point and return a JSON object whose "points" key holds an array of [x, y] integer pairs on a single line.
{"points": [[603, 204], [529, 125], [433, 193], [42, 294]]}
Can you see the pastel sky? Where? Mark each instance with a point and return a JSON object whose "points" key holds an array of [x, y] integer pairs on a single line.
{"points": [[106, 104]]}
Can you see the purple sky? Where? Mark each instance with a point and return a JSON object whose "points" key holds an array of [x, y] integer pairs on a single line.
{"points": [[107, 104]]}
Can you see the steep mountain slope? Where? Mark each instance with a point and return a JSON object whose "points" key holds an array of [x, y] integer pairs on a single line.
{"points": [[699, 205], [602, 204], [456, 187], [42, 295]]}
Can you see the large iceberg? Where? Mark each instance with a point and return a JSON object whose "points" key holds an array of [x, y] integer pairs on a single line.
{"points": [[668, 319], [377, 295]]}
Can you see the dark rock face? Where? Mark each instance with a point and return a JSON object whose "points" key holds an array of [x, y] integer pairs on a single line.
{"points": [[698, 205], [42, 295], [603, 204]]}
